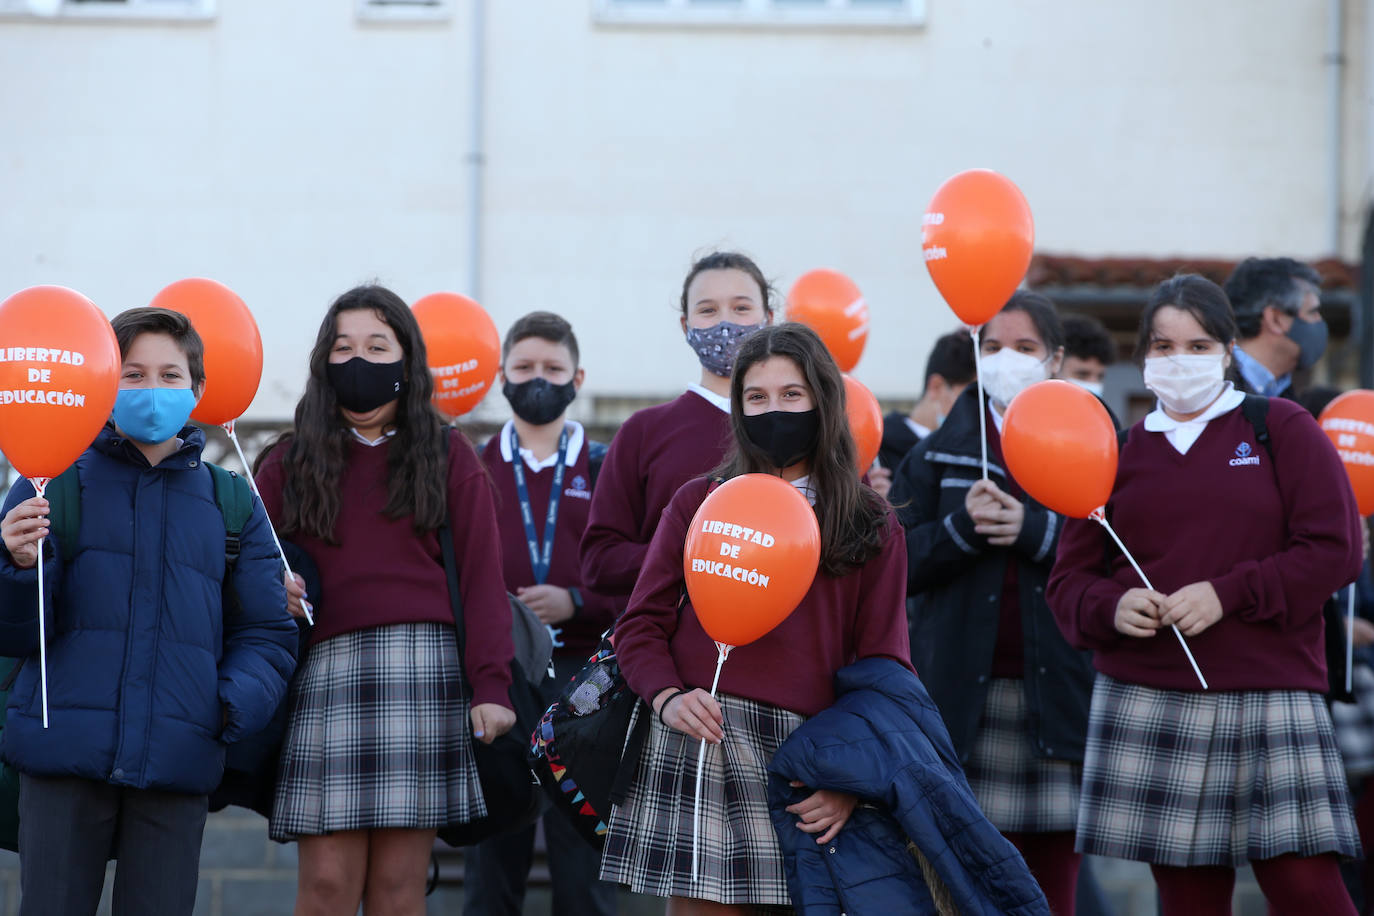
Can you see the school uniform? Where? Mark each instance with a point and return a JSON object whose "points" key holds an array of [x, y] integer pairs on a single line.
{"points": [[498, 868], [766, 689], [1248, 769], [1013, 693], [377, 738], [578, 637], [654, 452]]}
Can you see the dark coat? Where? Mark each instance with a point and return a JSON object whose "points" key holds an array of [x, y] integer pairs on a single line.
{"points": [[884, 741], [149, 677], [956, 580]]}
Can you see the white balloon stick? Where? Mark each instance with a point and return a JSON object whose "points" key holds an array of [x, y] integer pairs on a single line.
{"points": [[40, 486], [253, 484], [722, 651], [1101, 519], [974, 331]]}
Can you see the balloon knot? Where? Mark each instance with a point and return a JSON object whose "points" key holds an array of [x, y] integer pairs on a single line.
{"points": [[1098, 515], [40, 484], [229, 427]]}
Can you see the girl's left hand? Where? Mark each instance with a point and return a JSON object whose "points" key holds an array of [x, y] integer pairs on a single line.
{"points": [[1192, 608], [824, 812], [490, 721]]}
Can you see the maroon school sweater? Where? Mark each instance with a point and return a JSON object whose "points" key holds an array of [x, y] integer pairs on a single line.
{"points": [[381, 572], [581, 634], [655, 452], [1273, 550], [859, 615]]}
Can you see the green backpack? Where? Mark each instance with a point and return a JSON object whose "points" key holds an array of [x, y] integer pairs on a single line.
{"points": [[235, 501]]}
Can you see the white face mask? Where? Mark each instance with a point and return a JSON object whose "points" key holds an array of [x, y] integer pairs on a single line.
{"points": [[1186, 383], [1006, 374], [1095, 387]]}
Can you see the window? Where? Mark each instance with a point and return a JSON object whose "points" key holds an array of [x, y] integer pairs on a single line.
{"points": [[405, 10], [109, 9], [863, 13]]}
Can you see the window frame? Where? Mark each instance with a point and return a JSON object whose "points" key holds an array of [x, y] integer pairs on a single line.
{"points": [[141, 10], [910, 14], [404, 11]]}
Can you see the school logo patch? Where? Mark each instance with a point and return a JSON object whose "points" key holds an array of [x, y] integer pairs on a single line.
{"points": [[1244, 456], [578, 490]]}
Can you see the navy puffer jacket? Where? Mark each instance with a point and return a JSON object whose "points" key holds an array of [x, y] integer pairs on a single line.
{"points": [[884, 741], [144, 661]]}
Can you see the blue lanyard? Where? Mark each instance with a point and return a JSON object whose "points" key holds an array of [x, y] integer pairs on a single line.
{"points": [[540, 561]]}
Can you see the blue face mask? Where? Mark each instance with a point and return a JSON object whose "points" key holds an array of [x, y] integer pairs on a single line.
{"points": [[153, 415]]}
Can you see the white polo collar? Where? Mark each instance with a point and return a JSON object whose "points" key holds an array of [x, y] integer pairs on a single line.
{"points": [[1183, 433], [576, 436], [372, 442], [710, 396]]}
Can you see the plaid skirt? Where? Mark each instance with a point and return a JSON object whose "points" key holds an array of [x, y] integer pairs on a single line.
{"points": [[1175, 777], [1354, 724], [1018, 791], [649, 837], [379, 736]]}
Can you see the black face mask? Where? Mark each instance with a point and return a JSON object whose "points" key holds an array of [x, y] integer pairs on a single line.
{"points": [[362, 386], [785, 436], [539, 401]]}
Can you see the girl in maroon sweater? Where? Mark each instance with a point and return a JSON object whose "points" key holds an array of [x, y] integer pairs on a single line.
{"points": [[1013, 693], [378, 750], [787, 418], [1244, 541], [725, 298]]}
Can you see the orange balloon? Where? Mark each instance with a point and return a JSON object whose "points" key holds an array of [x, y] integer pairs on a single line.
{"points": [[830, 304], [1349, 422], [233, 346], [463, 348], [59, 375], [1060, 446], [752, 551], [865, 421], [977, 237]]}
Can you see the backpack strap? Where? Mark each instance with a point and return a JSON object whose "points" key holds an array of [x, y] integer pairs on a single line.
{"points": [[64, 514], [1255, 407], [234, 497], [455, 596], [596, 457]]}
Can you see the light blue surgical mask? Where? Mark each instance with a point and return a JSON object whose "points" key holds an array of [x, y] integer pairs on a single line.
{"points": [[153, 415]]}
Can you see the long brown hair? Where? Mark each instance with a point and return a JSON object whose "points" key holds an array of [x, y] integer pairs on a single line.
{"points": [[852, 517], [317, 453]]}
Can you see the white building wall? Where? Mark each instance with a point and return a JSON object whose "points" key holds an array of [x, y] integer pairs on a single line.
{"points": [[290, 151]]}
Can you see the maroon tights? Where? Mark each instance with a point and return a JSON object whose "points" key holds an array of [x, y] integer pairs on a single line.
{"points": [[1295, 885], [1054, 864]]}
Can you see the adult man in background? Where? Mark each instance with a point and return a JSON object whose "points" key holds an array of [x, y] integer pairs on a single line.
{"points": [[1278, 314]]}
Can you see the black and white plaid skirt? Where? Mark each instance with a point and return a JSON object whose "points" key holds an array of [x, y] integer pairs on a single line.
{"points": [[1354, 724], [379, 736], [1018, 791], [1185, 778], [649, 838]]}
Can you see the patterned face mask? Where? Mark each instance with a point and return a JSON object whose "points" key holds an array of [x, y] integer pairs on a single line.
{"points": [[717, 345]]}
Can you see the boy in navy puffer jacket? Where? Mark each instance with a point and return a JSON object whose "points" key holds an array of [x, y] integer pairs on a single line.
{"points": [[149, 674]]}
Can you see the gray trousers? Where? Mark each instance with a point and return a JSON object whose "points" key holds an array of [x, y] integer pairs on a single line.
{"points": [[68, 829]]}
